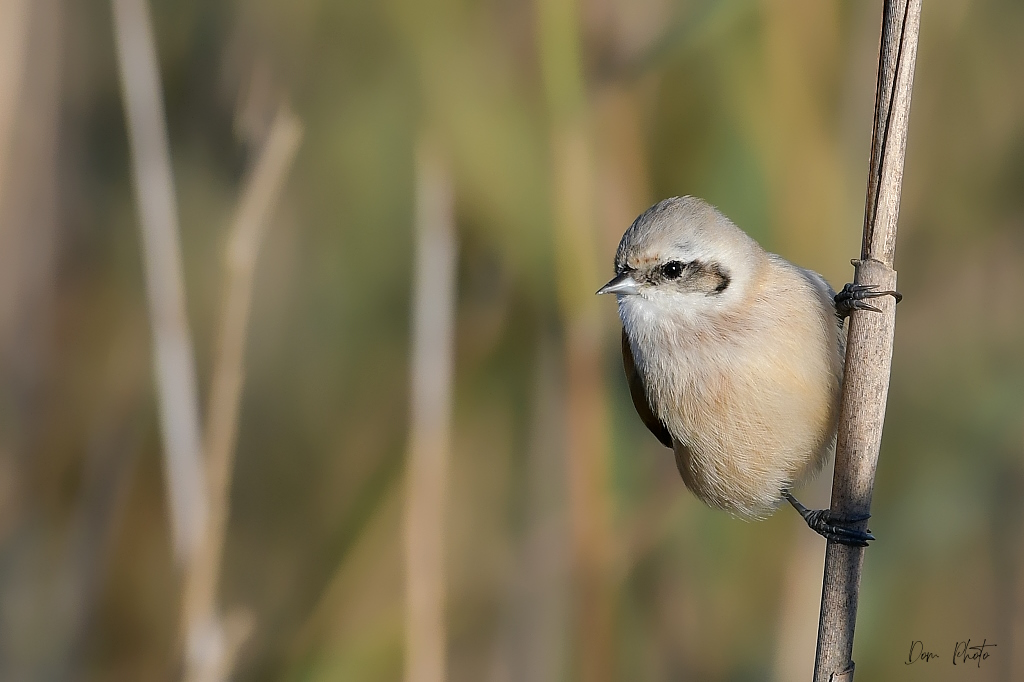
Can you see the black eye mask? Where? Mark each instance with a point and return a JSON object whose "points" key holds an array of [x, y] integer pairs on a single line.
{"points": [[695, 276]]}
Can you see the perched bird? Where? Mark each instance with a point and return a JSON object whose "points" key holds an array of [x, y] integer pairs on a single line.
{"points": [[734, 359]]}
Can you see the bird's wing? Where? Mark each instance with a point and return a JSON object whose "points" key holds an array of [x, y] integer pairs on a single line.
{"points": [[639, 395], [828, 298], [823, 289], [827, 295]]}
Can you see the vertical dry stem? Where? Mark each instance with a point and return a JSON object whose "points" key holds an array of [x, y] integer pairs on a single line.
{"points": [[210, 644], [430, 410], [173, 362], [870, 340]]}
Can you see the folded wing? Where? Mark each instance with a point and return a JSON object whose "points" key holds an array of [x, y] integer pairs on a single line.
{"points": [[639, 395]]}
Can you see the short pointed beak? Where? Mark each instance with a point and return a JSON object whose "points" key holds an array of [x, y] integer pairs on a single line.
{"points": [[623, 285]]}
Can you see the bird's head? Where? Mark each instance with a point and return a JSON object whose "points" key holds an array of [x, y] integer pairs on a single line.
{"points": [[683, 260]]}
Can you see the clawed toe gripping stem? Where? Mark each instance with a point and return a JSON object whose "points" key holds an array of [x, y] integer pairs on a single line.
{"points": [[853, 297], [831, 527]]}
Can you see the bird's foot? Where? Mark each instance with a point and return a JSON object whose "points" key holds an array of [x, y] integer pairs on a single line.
{"points": [[835, 528], [853, 297]]}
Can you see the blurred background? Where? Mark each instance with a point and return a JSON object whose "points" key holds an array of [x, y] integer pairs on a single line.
{"points": [[525, 137]]}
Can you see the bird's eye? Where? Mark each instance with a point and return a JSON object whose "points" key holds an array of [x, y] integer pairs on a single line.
{"points": [[672, 269]]}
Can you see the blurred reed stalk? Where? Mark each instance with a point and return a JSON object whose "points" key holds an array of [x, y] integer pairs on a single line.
{"points": [[35, 594], [870, 339], [31, 97], [14, 31], [573, 198], [211, 643], [433, 315], [173, 361]]}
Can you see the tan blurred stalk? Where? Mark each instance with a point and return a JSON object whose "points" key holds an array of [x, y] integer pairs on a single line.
{"points": [[30, 37], [173, 361], [433, 313], [34, 596], [14, 24], [211, 642], [573, 197]]}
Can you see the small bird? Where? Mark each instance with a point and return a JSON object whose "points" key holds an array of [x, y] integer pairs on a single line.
{"points": [[734, 359]]}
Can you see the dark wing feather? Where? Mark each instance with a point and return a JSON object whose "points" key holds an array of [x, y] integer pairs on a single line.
{"points": [[639, 396]]}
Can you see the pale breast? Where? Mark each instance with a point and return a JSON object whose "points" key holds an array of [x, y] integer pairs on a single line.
{"points": [[751, 402]]}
